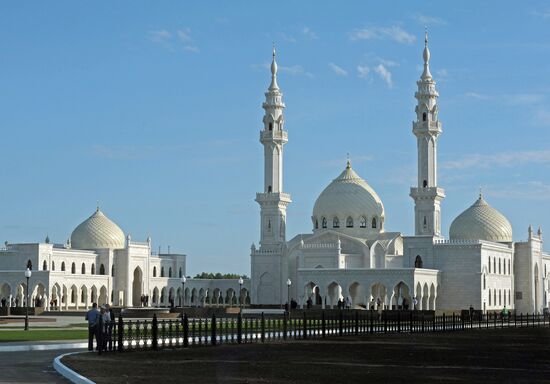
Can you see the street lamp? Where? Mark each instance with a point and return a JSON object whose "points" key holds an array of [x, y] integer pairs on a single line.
{"points": [[28, 274], [241, 292], [183, 280], [288, 284]]}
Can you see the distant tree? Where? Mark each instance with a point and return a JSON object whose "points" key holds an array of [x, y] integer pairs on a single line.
{"points": [[218, 275]]}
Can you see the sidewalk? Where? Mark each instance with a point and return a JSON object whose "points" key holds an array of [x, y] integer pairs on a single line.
{"points": [[22, 346]]}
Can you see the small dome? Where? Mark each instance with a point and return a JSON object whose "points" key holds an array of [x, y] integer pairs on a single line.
{"points": [[481, 222], [352, 202], [97, 232]]}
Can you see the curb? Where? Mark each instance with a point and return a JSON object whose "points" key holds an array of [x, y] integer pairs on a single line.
{"points": [[68, 373]]}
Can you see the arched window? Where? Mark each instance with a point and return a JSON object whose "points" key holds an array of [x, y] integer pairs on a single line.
{"points": [[44, 265], [53, 265], [504, 293], [510, 270], [269, 189], [374, 222], [154, 271], [161, 271], [180, 273], [271, 126], [509, 298], [63, 266], [316, 223], [170, 272], [499, 297], [113, 271], [82, 296], [495, 296], [418, 262], [363, 222], [490, 298], [29, 264], [425, 183], [499, 269], [73, 296], [349, 222], [484, 282], [83, 268], [73, 268], [93, 269], [495, 265], [335, 223], [489, 264], [324, 222], [424, 116]]}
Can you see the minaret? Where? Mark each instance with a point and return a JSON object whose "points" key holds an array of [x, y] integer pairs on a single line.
{"points": [[269, 267], [273, 201], [427, 195]]}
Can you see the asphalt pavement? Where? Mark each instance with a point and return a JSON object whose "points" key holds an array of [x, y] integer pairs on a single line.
{"points": [[31, 367]]}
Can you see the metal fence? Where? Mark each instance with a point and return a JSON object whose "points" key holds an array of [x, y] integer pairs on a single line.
{"points": [[184, 332]]}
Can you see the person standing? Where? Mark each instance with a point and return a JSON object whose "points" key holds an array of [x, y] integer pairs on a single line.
{"points": [[92, 317]]}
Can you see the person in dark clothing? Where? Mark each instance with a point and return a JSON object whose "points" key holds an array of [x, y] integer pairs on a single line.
{"points": [[92, 316]]}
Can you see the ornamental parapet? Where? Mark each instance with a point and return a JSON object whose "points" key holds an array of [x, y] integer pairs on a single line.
{"points": [[273, 197], [275, 135]]}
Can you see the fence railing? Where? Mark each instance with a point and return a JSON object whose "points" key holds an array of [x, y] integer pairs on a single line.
{"points": [[183, 332]]}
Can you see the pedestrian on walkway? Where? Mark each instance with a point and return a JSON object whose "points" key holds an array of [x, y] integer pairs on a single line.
{"points": [[92, 317]]}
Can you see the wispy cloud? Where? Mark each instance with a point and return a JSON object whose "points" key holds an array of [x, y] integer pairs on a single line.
{"points": [[306, 31], [363, 71], [395, 33], [541, 117], [170, 41], [429, 20], [504, 159], [337, 69], [384, 74], [478, 96], [531, 190], [544, 13]]}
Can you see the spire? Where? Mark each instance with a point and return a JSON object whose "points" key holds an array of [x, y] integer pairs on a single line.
{"points": [[426, 74], [273, 84], [348, 163]]}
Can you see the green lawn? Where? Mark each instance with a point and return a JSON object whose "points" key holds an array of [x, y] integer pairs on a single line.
{"points": [[43, 334]]}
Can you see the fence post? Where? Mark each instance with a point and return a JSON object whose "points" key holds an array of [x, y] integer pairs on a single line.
{"points": [[422, 318], [462, 321], [155, 332], [185, 331], [444, 323], [305, 325], [411, 321], [385, 323], [340, 323], [453, 321], [262, 324], [120, 333], [356, 323], [398, 321], [213, 326], [285, 323], [323, 325], [239, 328]]}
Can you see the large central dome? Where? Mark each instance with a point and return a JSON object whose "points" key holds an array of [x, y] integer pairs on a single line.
{"points": [[481, 222], [97, 232], [349, 204]]}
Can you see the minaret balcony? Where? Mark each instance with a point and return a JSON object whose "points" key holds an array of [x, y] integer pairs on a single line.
{"points": [[426, 127], [278, 136], [267, 197]]}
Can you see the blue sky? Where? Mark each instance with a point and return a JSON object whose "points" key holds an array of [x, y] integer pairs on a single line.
{"points": [[153, 109]]}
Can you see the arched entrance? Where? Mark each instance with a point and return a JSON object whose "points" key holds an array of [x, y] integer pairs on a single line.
{"points": [[137, 287]]}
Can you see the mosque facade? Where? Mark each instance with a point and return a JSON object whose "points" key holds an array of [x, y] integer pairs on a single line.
{"points": [[100, 264], [350, 256]]}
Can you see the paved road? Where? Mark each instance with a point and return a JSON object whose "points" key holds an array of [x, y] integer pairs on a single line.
{"points": [[30, 367]]}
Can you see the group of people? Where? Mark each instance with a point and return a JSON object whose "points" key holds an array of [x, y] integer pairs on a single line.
{"points": [[344, 303], [100, 326], [144, 300]]}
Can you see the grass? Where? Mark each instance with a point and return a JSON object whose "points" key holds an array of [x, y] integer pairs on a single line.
{"points": [[43, 334]]}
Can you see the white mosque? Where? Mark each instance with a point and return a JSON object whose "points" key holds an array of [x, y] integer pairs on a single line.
{"points": [[348, 256], [351, 256]]}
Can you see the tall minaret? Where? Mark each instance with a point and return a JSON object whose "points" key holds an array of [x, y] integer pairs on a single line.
{"points": [[269, 269], [273, 201], [427, 195]]}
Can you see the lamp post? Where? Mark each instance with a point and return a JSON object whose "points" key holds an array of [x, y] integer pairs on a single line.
{"points": [[241, 292], [183, 280], [28, 274], [288, 284]]}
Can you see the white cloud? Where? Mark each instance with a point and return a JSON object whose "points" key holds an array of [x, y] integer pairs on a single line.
{"points": [[338, 70], [388, 63], [395, 33], [442, 73], [384, 74], [159, 35], [309, 33], [187, 41], [504, 159], [429, 20], [523, 98], [363, 71], [478, 96], [532, 190]]}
